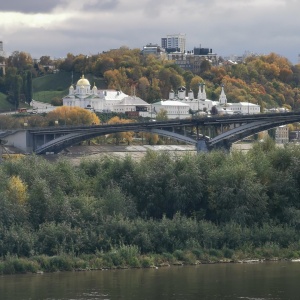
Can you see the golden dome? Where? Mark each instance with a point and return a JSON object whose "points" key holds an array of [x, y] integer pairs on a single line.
{"points": [[83, 81]]}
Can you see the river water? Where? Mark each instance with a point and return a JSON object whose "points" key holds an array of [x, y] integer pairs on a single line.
{"points": [[261, 281]]}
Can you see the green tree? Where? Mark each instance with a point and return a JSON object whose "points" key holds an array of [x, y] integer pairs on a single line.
{"points": [[195, 83], [235, 194], [15, 93], [28, 91]]}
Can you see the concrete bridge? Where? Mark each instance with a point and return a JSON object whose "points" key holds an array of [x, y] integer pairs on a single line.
{"points": [[205, 133]]}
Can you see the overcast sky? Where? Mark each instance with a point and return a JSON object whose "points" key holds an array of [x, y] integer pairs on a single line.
{"points": [[57, 27]]}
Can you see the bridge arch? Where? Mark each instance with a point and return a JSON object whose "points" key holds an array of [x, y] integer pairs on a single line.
{"points": [[70, 139], [55, 139], [226, 139]]}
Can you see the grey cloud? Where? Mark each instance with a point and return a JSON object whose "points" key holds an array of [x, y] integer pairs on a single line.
{"points": [[102, 5], [30, 6], [227, 29]]}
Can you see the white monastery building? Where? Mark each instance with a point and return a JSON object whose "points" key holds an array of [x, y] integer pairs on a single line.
{"points": [[103, 100], [181, 105], [178, 106]]}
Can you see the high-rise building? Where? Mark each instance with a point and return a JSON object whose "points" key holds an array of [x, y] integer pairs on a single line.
{"points": [[174, 41], [164, 44]]}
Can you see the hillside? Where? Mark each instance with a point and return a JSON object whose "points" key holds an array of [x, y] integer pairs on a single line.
{"points": [[4, 105], [267, 80], [47, 87], [50, 86]]}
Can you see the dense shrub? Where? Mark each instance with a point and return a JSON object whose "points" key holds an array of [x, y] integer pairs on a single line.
{"points": [[200, 207]]}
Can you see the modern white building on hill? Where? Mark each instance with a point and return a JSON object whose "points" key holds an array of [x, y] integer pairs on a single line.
{"points": [[104, 100]]}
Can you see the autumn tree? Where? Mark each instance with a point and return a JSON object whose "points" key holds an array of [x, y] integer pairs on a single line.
{"points": [[162, 115], [154, 93], [169, 79], [17, 190], [20, 60], [120, 136], [143, 87], [72, 116], [102, 65], [79, 63], [45, 60], [67, 63], [151, 138], [116, 79]]}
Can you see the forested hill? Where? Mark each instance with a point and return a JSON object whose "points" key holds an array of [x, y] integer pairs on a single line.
{"points": [[268, 80]]}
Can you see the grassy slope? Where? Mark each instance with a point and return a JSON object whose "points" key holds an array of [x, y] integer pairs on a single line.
{"points": [[56, 85], [4, 105], [47, 87]]}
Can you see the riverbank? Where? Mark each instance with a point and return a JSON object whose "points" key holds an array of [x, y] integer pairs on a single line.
{"points": [[77, 153], [127, 257], [136, 152]]}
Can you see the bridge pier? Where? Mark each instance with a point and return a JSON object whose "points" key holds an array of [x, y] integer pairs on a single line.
{"points": [[201, 146]]}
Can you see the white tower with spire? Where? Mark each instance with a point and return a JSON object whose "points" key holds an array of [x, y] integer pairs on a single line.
{"points": [[223, 98], [202, 92]]}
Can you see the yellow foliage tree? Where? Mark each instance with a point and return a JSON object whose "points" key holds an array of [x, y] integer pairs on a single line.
{"points": [[162, 115], [117, 79], [151, 138], [72, 116], [120, 136], [17, 190]]}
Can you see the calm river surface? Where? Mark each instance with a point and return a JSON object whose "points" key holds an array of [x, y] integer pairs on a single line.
{"points": [[220, 281]]}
